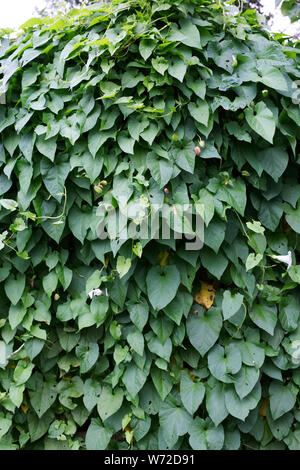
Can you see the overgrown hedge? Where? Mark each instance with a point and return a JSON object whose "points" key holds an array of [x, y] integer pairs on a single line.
{"points": [[166, 103]]}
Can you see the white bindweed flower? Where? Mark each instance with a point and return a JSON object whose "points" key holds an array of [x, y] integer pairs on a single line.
{"points": [[97, 292], [285, 259]]}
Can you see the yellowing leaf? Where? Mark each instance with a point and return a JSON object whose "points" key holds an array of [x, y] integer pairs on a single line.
{"points": [[11, 366], [206, 295], [25, 407], [264, 406], [128, 434], [193, 377], [162, 258]]}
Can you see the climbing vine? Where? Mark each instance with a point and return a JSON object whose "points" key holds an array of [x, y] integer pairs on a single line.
{"points": [[131, 341]]}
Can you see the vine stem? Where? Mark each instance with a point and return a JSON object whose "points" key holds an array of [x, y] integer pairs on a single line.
{"points": [[40, 217], [9, 246], [252, 246], [57, 216], [243, 228], [16, 351]]}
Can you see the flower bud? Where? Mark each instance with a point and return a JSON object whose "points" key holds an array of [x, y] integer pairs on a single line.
{"points": [[166, 191], [202, 144], [97, 189], [56, 297], [197, 150]]}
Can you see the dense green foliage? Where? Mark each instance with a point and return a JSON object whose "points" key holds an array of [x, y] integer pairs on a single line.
{"points": [[54, 7], [106, 107], [290, 8]]}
